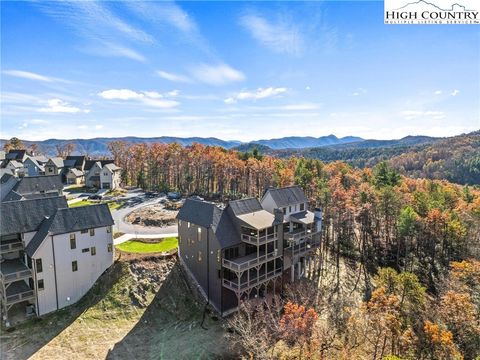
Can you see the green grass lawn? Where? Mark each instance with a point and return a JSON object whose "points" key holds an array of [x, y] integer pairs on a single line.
{"points": [[134, 246], [111, 204]]}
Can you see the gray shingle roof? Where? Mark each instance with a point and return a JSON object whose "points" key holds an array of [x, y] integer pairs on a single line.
{"points": [[27, 215], [35, 184], [112, 167], [57, 161], [201, 213], [287, 195], [69, 163], [245, 206], [76, 172], [226, 232], [16, 164], [12, 196], [68, 220], [37, 162], [208, 215], [15, 154], [90, 163], [79, 160], [6, 177]]}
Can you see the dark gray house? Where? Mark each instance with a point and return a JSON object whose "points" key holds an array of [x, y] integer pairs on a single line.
{"points": [[249, 248], [30, 187]]}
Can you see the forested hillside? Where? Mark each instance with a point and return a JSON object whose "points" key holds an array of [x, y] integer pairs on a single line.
{"points": [[456, 159], [406, 242]]}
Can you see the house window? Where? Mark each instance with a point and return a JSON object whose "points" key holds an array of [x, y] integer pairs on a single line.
{"points": [[179, 222], [302, 207], [109, 229], [38, 263], [50, 170], [74, 265], [284, 211], [73, 242], [109, 247], [84, 231], [219, 255], [199, 234], [93, 250], [40, 284], [199, 256], [85, 250], [92, 232], [289, 209]]}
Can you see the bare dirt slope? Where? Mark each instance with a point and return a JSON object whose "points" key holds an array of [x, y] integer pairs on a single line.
{"points": [[152, 215], [139, 309]]}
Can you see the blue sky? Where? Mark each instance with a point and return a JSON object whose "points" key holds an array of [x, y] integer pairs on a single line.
{"points": [[232, 70]]}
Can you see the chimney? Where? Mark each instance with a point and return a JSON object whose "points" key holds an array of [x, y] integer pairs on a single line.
{"points": [[318, 215], [278, 213]]}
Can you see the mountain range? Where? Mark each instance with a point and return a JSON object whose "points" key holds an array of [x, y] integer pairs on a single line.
{"points": [[99, 146]]}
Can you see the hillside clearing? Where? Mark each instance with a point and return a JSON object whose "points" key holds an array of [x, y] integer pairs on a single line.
{"points": [[138, 309]]}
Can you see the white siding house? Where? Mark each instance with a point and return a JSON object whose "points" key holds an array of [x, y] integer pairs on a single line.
{"points": [[52, 255], [110, 176], [68, 277]]}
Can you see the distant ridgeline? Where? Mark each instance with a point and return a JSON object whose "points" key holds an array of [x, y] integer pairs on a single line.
{"points": [[456, 159]]}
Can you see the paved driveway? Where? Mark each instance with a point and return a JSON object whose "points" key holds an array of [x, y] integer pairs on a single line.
{"points": [[136, 199]]}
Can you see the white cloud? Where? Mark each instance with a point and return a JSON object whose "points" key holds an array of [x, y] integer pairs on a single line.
{"points": [[217, 74], [455, 92], [120, 94], [59, 106], [38, 122], [281, 37], [150, 98], [94, 22], [260, 93], [438, 92], [173, 93], [98, 127], [173, 77], [306, 106], [307, 88], [415, 114], [166, 12], [111, 49], [359, 91], [30, 76]]}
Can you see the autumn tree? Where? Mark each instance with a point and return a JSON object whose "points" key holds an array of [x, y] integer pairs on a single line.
{"points": [[296, 325], [14, 144], [65, 149]]}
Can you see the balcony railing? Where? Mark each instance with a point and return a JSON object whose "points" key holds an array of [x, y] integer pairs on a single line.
{"points": [[303, 247], [258, 280], [297, 235], [249, 261], [27, 295], [10, 247], [23, 274], [14, 270], [254, 240]]}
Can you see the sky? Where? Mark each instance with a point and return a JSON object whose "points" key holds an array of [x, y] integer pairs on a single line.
{"points": [[232, 70]]}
